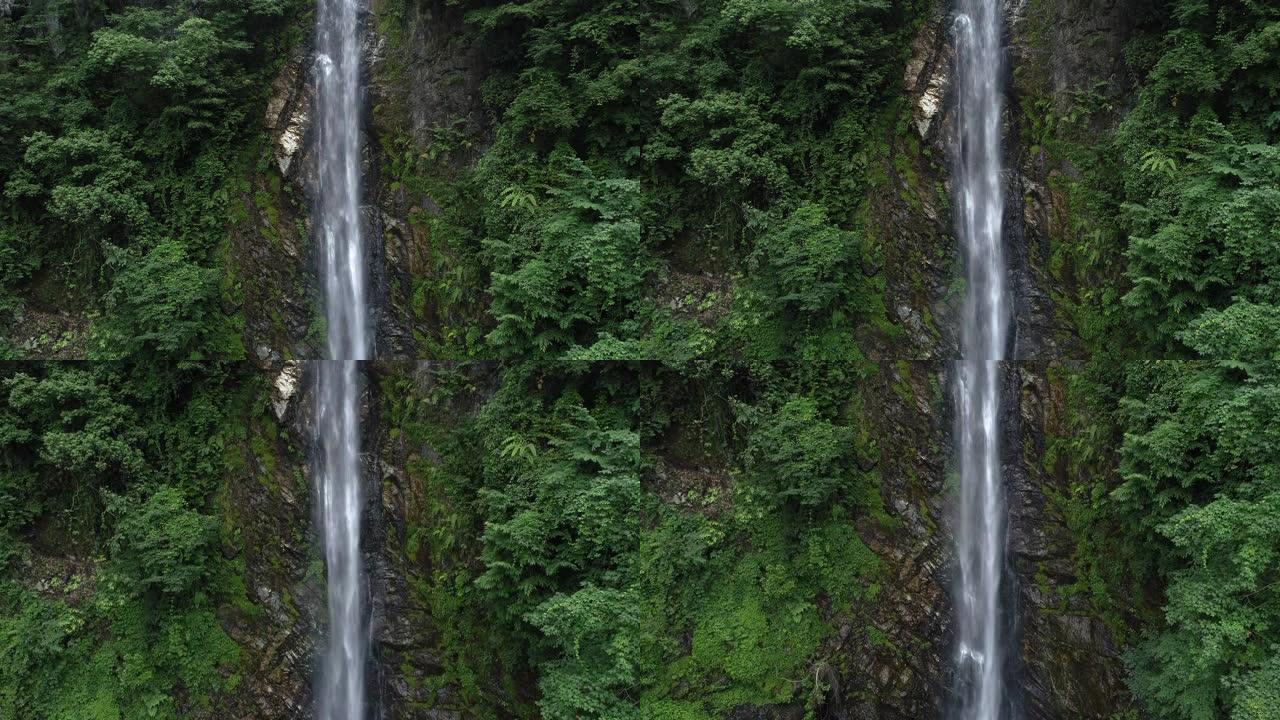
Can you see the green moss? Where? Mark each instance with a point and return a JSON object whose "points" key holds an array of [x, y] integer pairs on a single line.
{"points": [[910, 189], [844, 568], [756, 630], [261, 448], [268, 230], [902, 382]]}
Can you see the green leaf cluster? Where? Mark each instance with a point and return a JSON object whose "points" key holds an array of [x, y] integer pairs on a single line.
{"points": [[112, 565], [1178, 456], [640, 142], [124, 125]]}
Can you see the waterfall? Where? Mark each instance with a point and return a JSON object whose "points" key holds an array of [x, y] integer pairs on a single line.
{"points": [[980, 533], [338, 483]]}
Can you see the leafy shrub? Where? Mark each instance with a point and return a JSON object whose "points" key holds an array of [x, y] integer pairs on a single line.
{"points": [[108, 661], [593, 632], [801, 263], [159, 542], [565, 513], [841, 564], [75, 423], [797, 299], [795, 455], [758, 626], [1190, 182], [124, 119], [574, 262], [110, 461], [559, 502], [161, 305]]}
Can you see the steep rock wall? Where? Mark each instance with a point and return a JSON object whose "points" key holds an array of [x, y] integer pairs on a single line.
{"points": [[269, 505], [1068, 666], [424, 77], [1061, 51]]}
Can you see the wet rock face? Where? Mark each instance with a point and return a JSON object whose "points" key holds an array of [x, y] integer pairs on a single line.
{"points": [[425, 83], [415, 84], [1059, 51], [1067, 665], [288, 114], [269, 505], [428, 79], [927, 78], [897, 666], [272, 258], [275, 252], [398, 640], [1070, 668], [406, 634]]}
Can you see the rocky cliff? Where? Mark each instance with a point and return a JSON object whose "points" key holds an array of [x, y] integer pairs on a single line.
{"points": [[425, 87], [1068, 665]]}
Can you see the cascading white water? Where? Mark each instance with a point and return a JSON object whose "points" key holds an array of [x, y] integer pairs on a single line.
{"points": [[341, 691], [980, 533]]}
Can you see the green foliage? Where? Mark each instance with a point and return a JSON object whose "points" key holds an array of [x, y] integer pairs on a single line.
{"points": [[671, 183], [159, 306], [159, 542], [1186, 192], [561, 484], [1209, 235], [796, 298], [796, 456], [1200, 472], [593, 632], [86, 181], [576, 265], [123, 121], [800, 263], [1221, 611], [751, 615], [111, 660], [112, 465], [840, 563], [563, 515], [555, 559], [105, 425], [73, 420], [757, 628], [635, 139]]}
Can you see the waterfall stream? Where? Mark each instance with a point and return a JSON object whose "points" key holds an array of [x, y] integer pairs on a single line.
{"points": [[980, 533], [341, 688]]}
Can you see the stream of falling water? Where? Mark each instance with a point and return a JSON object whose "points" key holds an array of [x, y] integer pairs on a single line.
{"points": [[980, 534], [341, 689]]}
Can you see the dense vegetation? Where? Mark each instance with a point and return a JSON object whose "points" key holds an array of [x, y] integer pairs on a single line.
{"points": [[112, 479], [643, 149], [590, 575], [1180, 306], [548, 542], [123, 127], [683, 186], [658, 502]]}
